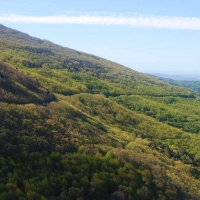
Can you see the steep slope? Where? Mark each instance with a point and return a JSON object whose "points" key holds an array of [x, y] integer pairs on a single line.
{"points": [[66, 143], [15, 87], [179, 112], [112, 133], [95, 74]]}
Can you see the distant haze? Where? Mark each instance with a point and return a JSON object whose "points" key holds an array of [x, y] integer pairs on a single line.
{"points": [[183, 77]]}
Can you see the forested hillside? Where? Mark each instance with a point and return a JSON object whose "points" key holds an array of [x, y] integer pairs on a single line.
{"points": [[18, 88], [76, 126], [193, 85]]}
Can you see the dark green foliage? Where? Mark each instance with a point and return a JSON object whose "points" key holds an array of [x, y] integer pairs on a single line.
{"points": [[43, 51], [31, 136], [15, 87], [180, 154], [29, 64], [81, 176]]}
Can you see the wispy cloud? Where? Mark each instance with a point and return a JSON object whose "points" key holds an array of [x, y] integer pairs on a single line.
{"points": [[190, 23]]}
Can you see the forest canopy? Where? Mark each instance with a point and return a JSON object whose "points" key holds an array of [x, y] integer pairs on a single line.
{"points": [[76, 126]]}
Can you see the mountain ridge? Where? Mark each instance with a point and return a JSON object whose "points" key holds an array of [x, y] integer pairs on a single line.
{"points": [[192, 85], [176, 77]]}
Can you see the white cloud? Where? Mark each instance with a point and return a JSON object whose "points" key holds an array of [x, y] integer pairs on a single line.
{"points": [[190, 23]]}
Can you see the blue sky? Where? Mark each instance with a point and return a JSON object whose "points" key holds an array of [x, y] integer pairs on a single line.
{"points": [[148, 36]]}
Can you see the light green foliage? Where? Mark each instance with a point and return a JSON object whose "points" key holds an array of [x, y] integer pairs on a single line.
{"points": [[182, 113]]}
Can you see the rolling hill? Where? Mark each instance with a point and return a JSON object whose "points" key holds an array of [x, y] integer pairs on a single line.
{"points": [[108, 132], [192, 84]]}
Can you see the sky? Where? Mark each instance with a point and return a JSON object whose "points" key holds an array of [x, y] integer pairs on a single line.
{"points": [[151, 36]]}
